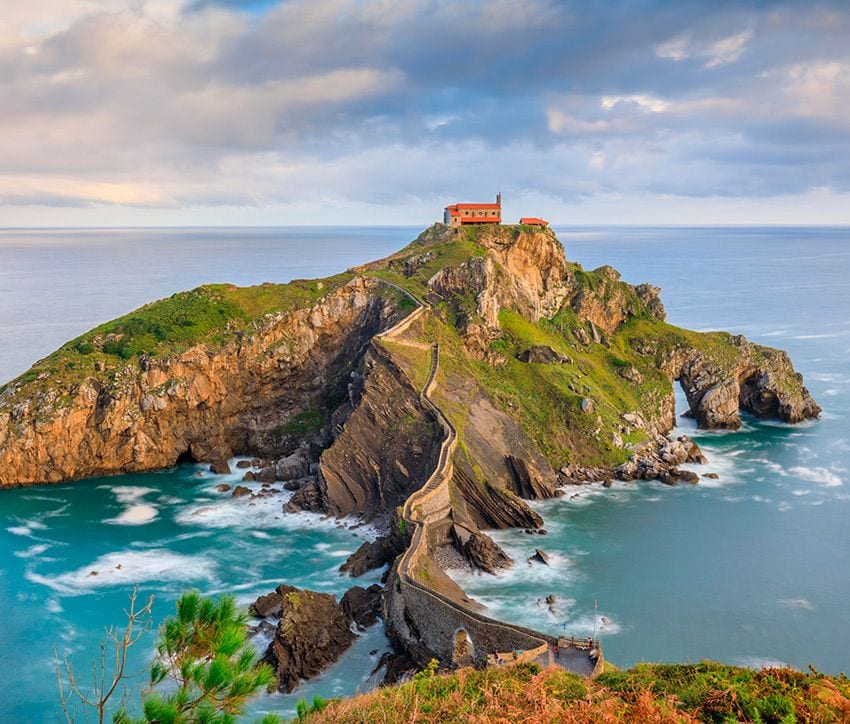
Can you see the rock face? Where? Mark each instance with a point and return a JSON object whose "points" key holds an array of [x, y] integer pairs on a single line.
{"points": [[313, 632], [528, 481], [481, 551], [362, 605], [760, 380], [540, 556], [205, 403], [374, 554], [542, 354], [489, 506], [387, 448]]}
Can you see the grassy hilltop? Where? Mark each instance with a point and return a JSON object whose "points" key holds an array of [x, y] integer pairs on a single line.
{"points": [[704, 692]]}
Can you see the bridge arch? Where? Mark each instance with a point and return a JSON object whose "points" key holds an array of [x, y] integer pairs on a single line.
{"points": [[462, 649]]}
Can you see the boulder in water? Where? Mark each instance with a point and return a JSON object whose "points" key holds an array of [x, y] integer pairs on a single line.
{"points": [[540, 556], [312, 633]]}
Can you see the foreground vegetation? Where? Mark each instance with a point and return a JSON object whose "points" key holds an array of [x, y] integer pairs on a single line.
{"points": [[707, 692], [205, 670]]}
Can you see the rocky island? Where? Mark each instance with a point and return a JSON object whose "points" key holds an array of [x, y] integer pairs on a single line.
{"points": [[432, 393]]}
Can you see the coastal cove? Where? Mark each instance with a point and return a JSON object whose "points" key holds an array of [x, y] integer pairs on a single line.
{"points": [[776, 516]]}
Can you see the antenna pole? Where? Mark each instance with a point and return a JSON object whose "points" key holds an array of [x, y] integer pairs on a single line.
{"points": [[595, 616]]}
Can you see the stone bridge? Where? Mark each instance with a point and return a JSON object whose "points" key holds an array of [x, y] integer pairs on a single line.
{"points": [[451, 628]]}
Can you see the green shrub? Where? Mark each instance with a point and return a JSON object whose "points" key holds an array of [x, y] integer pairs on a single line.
{"points": [[304, 423]]}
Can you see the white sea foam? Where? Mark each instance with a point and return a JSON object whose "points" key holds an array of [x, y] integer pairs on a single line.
{"points": [[33, 550], [135, 515], [822, 476], [803, 604], [46, 498], [588, 624], [136, 511], [125, 568], [26, 529], [262, 512]]}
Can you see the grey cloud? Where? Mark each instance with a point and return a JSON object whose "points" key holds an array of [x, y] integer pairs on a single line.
{"points": [[378, 102]]}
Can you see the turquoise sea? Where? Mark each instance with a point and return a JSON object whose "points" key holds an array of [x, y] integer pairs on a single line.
{"points": [[750, 568]]}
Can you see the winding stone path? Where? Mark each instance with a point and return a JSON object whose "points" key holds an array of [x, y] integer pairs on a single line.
{"points": [[430, 505]]}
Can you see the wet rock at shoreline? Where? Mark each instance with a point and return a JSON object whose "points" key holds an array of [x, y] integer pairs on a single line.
{"points": [[480, 550], [374, 554], [307, 498], [362, 605], [312, 633], [540, 556], [220, 467]]}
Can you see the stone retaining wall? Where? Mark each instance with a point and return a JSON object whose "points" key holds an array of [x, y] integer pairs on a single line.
{"points": [[430, 622]]}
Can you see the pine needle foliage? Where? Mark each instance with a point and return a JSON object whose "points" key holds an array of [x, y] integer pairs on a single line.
{"points": [[205, 670]]}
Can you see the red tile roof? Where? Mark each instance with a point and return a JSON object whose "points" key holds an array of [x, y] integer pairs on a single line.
{"points": [[474, 206], [533, 221]]}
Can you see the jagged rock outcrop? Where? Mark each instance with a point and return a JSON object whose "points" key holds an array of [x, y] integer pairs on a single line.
{"points": [[660, 461], [374, 554], [362, 605], [543, 354], [205, 403], [528, 272], [760, 380], [312, 633], [488, 506], [540, 556], [386, 449], [528, 482], [480, 550]]}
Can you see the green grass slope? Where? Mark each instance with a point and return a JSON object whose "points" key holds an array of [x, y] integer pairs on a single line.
{"points": [[704, 692]]}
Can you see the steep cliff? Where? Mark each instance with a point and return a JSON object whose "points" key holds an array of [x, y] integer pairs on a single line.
{"points": [[386, 448], [138, 394]]}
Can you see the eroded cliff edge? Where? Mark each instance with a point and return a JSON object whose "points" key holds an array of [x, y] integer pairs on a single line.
{"points": [[199, 376]]}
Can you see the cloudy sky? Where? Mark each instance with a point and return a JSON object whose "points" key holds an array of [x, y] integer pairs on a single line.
{"points": [[157, 112]]}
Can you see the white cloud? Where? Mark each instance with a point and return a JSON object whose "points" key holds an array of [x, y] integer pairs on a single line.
{"points": [[715, 53], [649, 103], [727, 50], [163, 107]]}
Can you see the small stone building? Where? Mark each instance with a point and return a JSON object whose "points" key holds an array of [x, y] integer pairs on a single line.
{"points": [[465, 214], [533, 221]]}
